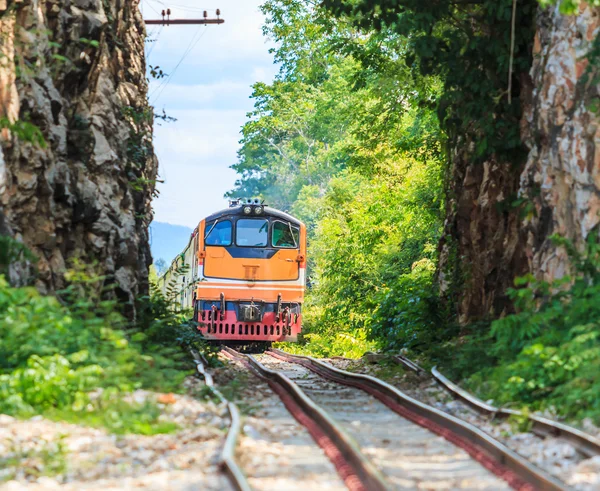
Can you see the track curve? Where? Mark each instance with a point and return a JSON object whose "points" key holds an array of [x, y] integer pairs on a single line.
{"points": [[228, 463], [355, 470], [493, 455]]}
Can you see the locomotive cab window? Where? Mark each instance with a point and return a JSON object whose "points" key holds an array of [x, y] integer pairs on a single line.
{"points": [[218, 233], [285, 235], [252, 232]]}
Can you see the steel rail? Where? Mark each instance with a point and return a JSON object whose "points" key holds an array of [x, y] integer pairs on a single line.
{"points": [[496, 457], [227, 463], [408, 363], [354, 468], [584, 443]]}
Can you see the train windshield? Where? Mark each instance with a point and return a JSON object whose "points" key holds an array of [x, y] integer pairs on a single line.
{"points": [[285, 235], [252, 232], [218, 233]]}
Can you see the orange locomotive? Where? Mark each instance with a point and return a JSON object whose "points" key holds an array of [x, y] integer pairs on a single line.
{"points": [[247, 277]]}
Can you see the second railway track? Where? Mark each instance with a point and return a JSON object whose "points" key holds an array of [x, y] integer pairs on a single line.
{"points": [[374, 447]]}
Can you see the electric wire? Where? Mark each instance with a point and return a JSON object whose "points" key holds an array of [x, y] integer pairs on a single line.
{"points": [[152, 8], [154, 42], [159, 90], [153, 32], [183, 7]]}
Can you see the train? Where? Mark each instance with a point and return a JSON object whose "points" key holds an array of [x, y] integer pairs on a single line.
{"points": [[243, 273]]}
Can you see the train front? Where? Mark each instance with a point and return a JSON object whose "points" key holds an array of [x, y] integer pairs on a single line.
{"points": [[252, 271]]}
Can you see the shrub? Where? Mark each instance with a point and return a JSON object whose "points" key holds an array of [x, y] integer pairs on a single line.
{"points": [[57, 352], [548, 355]]}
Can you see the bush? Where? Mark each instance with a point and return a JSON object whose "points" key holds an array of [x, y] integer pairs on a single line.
{"points": [[409, 314], [58, 352], [547, 354]]}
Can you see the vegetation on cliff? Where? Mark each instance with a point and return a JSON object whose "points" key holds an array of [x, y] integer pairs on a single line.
{"points": [[546, 355]]}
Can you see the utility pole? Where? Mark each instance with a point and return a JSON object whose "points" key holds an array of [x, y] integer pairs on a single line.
{"points": [[168, 21]]}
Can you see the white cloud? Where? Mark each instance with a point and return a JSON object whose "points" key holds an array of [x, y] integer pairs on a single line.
{"points": [[194, 158], [209, 94], [199, 135], [225, 94]]}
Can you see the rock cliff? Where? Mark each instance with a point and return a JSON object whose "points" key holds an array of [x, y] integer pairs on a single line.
{"points": [[501, 215], [561, 127], [77, 167]]}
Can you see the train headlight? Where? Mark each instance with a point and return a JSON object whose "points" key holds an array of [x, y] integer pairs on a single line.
{"points": [[247, 210], [258, 210]]}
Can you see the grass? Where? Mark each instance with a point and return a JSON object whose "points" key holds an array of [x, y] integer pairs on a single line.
{"points": [[387, 370], [321, 345], [119, 417]]}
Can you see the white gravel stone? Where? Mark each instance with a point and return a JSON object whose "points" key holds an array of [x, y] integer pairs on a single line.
{"points": [[98, 460]]}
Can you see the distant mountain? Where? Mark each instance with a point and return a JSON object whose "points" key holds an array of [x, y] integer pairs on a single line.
{"points": [[167, 240]]}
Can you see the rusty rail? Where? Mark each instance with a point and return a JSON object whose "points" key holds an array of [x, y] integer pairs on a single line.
{"points": [[584, 443], [353, 467], [495, 456], [227, 463], [408, 363]]}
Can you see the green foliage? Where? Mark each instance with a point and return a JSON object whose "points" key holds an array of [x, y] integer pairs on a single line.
{"points": [[569, 7], [374, 252], [113, 411], [13, 251], [139, 144], [347, 139], [409, 314], [325, 112], [58, 353], [467, 45], [48, 382], [547, 354], [24, 130]]}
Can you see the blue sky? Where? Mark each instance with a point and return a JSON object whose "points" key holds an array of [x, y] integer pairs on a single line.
{"points": [[209, 94]]}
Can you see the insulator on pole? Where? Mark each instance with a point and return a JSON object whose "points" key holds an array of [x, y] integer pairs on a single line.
{"points": [[168, 11], [162, 13], [205, 14], [218, 12]]}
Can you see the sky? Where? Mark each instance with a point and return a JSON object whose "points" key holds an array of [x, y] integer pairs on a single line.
{"points": [[208, 91]]}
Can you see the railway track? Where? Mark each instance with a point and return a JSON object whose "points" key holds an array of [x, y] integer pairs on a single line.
{"points": [[585, 444], [543, 427], [227, 463], [356, 472], [560, 449], [378, 438]]}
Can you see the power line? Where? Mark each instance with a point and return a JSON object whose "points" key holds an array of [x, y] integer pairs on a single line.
{"points": [[154, 42], [183, 7], [191, 46], [152, 8], [164, 82]]}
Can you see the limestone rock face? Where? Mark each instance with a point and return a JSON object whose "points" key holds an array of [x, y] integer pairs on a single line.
{"points": [[77, 167], [489, 239], [562, 129]]}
